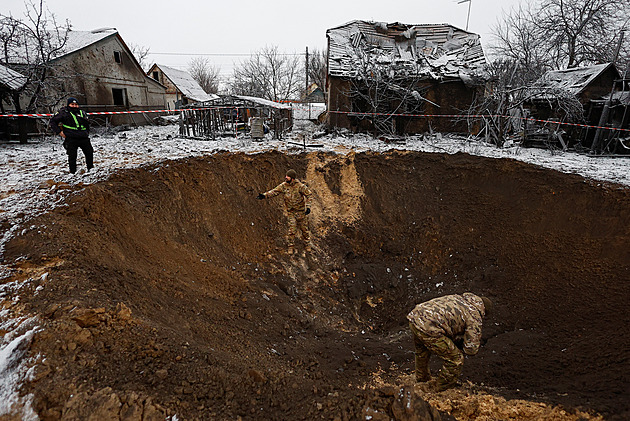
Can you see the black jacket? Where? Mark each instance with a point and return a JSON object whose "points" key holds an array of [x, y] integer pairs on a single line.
{"points": [[73, 121]]}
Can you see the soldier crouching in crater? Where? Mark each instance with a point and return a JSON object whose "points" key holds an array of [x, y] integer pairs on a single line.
{"points": [[439, 326]]}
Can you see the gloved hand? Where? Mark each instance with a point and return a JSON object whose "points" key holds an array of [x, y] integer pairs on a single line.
{"points": [[261, 196], [308, 210]]}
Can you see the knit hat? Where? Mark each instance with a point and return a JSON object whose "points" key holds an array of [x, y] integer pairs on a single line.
{"points": [[71, 100], [487, 304], [292, 174]]}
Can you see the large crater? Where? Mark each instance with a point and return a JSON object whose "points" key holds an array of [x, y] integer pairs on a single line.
{"points": [[223, 324]]}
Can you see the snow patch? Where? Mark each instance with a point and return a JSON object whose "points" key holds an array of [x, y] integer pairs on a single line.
{"points": [[14, 368]]}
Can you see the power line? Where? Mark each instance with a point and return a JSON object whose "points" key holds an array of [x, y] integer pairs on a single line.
{"points": [[221, 54]]}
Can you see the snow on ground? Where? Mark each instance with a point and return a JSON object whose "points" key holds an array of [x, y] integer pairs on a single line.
{"points": [[34, 178]]}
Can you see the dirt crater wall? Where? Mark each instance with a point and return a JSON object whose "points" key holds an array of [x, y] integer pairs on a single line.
{"points": [[223, 324]]}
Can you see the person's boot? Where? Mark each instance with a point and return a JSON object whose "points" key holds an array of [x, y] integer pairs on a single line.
{"points": [[440, 384], [422, 377]]}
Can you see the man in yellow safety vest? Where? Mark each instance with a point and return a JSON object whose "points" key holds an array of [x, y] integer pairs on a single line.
{"points": [[72, 124]]}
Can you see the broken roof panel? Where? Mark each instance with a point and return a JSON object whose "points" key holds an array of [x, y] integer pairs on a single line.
{"points": [[573, 80], [11, 79], [434, 50], [186, 84]]}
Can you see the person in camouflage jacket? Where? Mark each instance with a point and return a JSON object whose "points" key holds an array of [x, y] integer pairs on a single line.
{"points": [[297, 198], [448, 327]]}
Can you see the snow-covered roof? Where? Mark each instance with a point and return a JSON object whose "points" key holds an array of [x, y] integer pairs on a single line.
{"points": [[186, 84], [11, 79], [76, 40], [263, 101], [436, 51], [573, 80]]}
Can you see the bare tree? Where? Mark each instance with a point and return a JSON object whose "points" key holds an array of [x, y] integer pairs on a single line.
{"points": [[518, 49], [206, 75], [28, 47], [582, 31], [269, 74], [317, 68], [140, 53], [562, 33]]}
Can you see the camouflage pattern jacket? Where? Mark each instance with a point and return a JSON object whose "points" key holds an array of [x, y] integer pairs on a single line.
{"points": [[453, 316], [297, 196]]}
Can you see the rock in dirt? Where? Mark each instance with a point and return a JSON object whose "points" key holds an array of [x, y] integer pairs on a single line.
{"points": [[88, 317]]}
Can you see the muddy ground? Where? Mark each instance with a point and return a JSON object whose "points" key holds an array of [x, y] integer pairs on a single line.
{"points": [[169, 293]]}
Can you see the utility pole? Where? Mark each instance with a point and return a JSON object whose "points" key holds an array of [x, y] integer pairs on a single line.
{"points": [[306, 87], [469, 4]]}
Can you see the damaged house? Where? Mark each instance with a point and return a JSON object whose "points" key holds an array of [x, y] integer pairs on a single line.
{"points": [[181, 88], [99, 69], [376, 68], [567, 96], [580, 83]]}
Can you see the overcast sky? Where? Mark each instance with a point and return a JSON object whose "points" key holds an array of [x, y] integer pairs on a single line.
{"points": [[219, 28]]}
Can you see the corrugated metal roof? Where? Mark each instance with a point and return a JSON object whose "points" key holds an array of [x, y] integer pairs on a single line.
{"points": [[433, 50], [186, 84], [573, 80], [11, 79]]}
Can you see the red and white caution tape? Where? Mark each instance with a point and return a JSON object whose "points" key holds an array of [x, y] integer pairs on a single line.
{"points": [[352, 113], [120, 112]]}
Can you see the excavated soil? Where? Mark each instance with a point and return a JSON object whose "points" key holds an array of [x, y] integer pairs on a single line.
{"points": [[169, 293]]}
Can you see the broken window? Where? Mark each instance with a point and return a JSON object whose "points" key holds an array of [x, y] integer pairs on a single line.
{"points": [[156, 76], [120, 96], [118, 56]]}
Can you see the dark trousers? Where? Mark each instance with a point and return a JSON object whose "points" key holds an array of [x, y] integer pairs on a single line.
{"points": [[72, 145]]}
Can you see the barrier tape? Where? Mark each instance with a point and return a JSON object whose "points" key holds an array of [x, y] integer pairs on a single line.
{"points": [[352, 113], [122, 112]]}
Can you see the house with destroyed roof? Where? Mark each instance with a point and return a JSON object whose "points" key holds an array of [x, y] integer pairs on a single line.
{"points": [[576, 95], [181, 88], [582, 83], [383, 76], [98, 68]]}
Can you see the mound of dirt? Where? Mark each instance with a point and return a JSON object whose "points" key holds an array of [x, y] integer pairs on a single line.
{"points": [[166, 290]]}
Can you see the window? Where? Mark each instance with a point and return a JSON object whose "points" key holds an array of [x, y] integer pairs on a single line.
{"points": [[156, 75], [118, 56], [120, 96]]}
